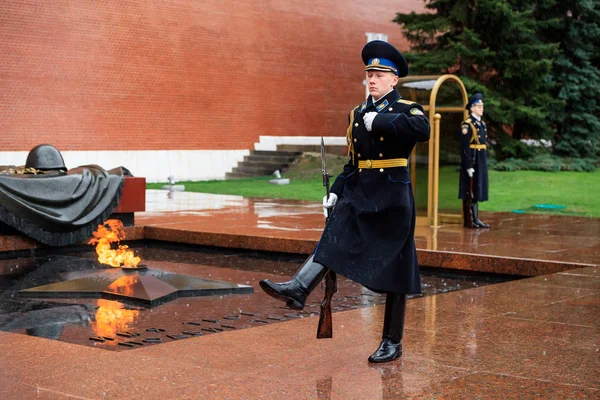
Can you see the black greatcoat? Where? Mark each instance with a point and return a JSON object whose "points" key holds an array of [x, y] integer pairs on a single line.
{"points": [[369, 236], [473, 158]]}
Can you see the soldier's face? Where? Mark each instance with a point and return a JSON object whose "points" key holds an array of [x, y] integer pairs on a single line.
{"points": [[477, 109], [380, 82]]}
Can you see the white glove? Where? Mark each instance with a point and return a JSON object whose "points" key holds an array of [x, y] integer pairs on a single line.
{"points": [[329, 203], [470, 172], [368, 118]]}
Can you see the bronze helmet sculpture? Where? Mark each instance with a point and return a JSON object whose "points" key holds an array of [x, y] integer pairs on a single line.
{"points": [[45, 157]]}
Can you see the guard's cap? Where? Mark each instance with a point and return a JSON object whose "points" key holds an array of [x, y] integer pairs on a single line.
{"points": [[382, 56], [475, 99]]}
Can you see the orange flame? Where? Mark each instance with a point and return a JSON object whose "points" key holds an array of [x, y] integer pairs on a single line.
{"points": [[112, 232]]}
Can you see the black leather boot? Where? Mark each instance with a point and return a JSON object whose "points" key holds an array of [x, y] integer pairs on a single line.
{"points": [[468, 214], [476, 220], [295, 291], [390, 347]]}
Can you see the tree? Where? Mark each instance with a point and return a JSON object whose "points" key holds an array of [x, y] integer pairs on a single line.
{"points": [[496, 48], [575, 24]]}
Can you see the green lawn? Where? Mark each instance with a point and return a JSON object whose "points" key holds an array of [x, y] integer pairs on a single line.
{"points": [[577, 191]]}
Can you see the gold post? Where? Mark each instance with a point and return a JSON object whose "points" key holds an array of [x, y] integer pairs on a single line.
{"points": [[436, 167], [434, 146], [433, 153], [430, 177]]}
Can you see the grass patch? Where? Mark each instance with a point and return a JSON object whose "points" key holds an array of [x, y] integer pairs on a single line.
{"points": [[519, 190], [577, 191]]}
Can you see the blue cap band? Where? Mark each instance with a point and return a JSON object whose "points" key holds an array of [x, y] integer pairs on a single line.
{"points": [[382, 64]]}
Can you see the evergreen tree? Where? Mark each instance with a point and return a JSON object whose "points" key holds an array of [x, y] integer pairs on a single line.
{"points": [[575, 24], [495, 47]]}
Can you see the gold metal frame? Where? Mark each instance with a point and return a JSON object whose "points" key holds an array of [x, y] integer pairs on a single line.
{"points": [[434, 142]]}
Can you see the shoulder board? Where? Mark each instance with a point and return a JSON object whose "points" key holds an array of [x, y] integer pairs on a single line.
{"points": [[406, 101]]}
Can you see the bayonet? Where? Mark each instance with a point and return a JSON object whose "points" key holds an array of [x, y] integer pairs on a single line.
{"points": [[326, 176], [325, 328]]}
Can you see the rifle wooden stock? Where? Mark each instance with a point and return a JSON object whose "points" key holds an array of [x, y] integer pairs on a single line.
{"points": [[325, 329]]}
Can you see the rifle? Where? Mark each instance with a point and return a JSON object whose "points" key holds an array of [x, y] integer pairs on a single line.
{"points": [[325, 328], [468, 205]]}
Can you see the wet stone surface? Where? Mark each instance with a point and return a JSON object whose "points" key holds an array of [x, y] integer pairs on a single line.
{"points": [[113, 325]]}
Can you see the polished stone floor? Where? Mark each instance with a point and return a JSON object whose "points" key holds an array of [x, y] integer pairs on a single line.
{"points": [[535, 338], [531, 338], [76, 315]]}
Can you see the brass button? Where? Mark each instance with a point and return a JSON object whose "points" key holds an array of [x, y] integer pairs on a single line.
{"points": [[391, 109], [381, 138], [358, 155], [356, 124], [360, 170], [380, 155], [354, 140], [368, 163], [380, 169]]}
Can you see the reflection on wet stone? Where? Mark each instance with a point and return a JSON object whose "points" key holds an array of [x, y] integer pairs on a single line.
{"points": [[324, 388], [104, 318]]}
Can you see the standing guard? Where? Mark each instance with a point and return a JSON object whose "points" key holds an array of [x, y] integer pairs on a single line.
{"points": [[473, 185], [369, 236]]}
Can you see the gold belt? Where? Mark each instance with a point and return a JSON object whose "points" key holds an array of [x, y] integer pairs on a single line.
{"points": [[478, 146], [389, 163]]}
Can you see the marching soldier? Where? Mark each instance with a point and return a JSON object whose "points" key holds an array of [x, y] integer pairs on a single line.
{"points": [[473, 185], [369, 236]]}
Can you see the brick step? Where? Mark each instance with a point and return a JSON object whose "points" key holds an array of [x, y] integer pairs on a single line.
{"points": [[266, 164], [256, 170], [308, 148], [276, 153], [239, 175], [271, 158], [263, 163]]}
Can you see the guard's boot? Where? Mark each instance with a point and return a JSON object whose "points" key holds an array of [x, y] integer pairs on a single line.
{"points": [[468, 215], [476, 220], [390, 347], [295, 291]]}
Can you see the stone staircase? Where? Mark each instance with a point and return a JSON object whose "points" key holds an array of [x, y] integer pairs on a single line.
{"points": [[263, 163]]}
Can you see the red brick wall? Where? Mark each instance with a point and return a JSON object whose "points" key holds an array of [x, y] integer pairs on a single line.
{"points": [[182, 74]]}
